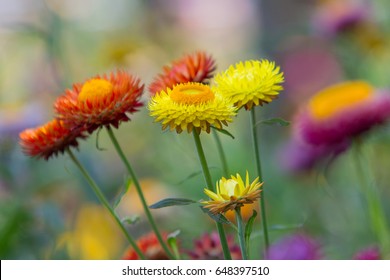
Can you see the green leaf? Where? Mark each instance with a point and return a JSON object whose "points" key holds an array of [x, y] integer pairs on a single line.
{"points": [[248, 229], [219, 218], [171, 202], [223, 131], [130, 220], [274, 121]]}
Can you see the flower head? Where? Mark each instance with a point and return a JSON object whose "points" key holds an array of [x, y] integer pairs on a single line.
{"points": [[191, 106], [197, 67], [106, 100], [208, 247], [50, 139], [341, 112], [294, 247], [232, 194], [250, 83], [149, 246]]}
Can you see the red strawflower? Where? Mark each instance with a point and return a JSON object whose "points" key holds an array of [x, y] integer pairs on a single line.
{"points": [[197, 67], [102, 100], [50, 139]]}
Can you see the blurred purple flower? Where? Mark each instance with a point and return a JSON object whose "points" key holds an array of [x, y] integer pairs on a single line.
{"points": [[296, 155], [297, 246], [17, 118], [208, 247], [370, 253]]}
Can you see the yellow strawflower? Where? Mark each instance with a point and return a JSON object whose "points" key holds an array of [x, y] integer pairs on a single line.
{"points": [[191, 106], [250, 83], [232, 193]]}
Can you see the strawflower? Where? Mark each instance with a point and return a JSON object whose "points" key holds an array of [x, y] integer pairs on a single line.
{"points": [[191, 106], [342, 112], [208, 247], [100, 101], [49, 139], [232, 193], [197, 67], [150, 246], [250, 83]]}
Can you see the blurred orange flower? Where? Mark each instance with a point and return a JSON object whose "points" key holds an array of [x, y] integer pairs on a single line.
{"points": [[150, 246]]}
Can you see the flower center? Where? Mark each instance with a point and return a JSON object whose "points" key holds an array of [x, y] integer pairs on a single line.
{"points": [[191, 93], [230, 187], [95, 90], [337, 98]]}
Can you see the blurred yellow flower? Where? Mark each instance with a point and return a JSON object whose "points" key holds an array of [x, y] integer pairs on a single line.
{"points": [[191, 106], [250, 83], [94, 237], [232, 194]]}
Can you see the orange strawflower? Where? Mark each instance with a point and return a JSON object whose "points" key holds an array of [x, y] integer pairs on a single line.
{"points": [[105, 100], [50, 139], [197, 67], [150, 247]]}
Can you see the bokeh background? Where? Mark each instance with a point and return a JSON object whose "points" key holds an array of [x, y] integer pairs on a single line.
{"points": [[47, 210]]}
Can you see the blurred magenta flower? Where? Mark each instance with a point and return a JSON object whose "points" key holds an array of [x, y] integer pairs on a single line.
{"points": [[336, 16], [208, 247], [341, 112], [297, 246], [370, 253]]}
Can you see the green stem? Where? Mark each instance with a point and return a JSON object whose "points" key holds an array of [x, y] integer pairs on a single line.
{"points": [[210, 186], [139, 191], [221, 153], [241, 236], [105, 202], [259, 173], [377, 216]]}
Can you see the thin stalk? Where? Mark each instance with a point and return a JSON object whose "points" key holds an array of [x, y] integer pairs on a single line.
{"points": [[105, 202], [241, 236], [259, 173], [210, 186], [139, 191], [221, 153], [375, 210]]}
